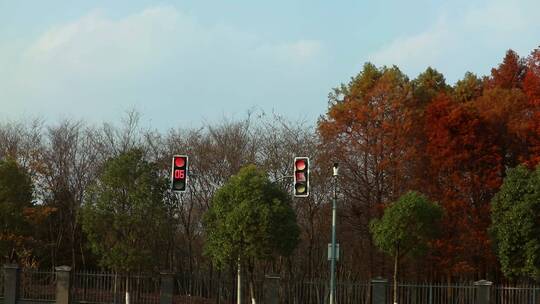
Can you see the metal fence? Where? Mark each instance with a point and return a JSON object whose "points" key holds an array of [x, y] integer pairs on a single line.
{"points": [[433, 293], [204, 290], [222, 290], [509, 294], [197, 289], [316, 292], [37, 285], [104, 287]]}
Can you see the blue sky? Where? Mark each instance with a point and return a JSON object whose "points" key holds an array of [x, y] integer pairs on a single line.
{"points": [[184, 63]]}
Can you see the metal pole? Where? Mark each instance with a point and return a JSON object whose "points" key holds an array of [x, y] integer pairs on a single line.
{"points": [[333, 258]]}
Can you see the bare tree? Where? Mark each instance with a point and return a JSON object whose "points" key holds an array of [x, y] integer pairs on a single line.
{"points": [[69, 165]]}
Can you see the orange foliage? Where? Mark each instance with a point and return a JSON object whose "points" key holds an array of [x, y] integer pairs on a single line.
{"points": [[454, 146], [470, 146], [466, 165], [38, 214], [531, 87], [509, 74], [369, 132]]}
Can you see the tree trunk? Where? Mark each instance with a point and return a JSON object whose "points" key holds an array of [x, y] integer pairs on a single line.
{"points": [[251, 273], [83, 260], [252, 292], [73, 232], [396, 260], [127, 289], [239, 284]]}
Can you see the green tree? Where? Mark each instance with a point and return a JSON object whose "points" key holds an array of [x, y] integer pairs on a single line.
{"points": [[468, 88], [250, 219], [124, 212], [406, 227], [515, 217], [15, 199], [427, 85]]}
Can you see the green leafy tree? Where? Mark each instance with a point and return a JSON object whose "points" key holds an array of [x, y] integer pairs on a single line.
{"points": [[468, 88], [515, 217], [15, 199], [406, 227], [250, 219], [124, 213], [427, 85]]}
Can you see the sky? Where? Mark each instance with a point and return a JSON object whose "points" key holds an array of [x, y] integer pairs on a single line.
{"points": [[190, 63]]}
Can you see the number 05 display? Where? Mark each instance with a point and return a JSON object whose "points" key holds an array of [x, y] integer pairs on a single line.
{"points": [[179, 173]]}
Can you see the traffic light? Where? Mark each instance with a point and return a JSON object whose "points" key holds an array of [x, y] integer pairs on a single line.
{"points": [[179, 173], [301, 176]]}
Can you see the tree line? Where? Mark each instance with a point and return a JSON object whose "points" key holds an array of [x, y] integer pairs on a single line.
{"points": [[455, 144]]}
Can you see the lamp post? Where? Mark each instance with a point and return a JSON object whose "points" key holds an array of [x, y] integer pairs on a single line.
{"points": [[333, 249]]}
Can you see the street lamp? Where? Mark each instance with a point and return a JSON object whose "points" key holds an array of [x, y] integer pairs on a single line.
{"points": [[333, 249]]}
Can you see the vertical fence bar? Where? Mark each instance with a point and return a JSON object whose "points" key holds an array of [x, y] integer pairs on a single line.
{"points": [[430, 294]]}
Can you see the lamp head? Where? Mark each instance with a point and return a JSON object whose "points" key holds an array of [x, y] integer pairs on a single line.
{"points": [[335, 169]]}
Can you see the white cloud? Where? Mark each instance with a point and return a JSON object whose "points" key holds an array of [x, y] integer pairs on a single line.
{"points": [[158, 55], [453, 42], [97, 47], [419, 49]]}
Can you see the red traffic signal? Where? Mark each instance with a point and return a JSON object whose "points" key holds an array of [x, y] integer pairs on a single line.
{"points": [[179, 173], [301, 176]]}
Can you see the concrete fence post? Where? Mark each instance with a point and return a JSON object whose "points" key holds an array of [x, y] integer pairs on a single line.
{"points": [[167, 288], [379, 291], [271, 289], [11, 283], [63, 285], [483, 291]]}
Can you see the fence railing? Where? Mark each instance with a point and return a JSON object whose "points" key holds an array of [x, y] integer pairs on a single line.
{"points": [[211, 289], [65, 287], [316, 291], [103, 287], [433, 293], [508, 294], [37, 285]]}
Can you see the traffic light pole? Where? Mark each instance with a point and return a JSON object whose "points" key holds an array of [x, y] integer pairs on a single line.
{"points": [[333, 249]]}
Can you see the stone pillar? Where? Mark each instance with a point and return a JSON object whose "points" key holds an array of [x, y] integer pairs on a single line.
{"points": [[483, 291], [271, 289], [11, 283], [379, 288], [167, 288], [63, 284]]}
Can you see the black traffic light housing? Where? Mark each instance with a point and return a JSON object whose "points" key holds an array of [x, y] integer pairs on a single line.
{"points": [[301, 176], [179, 173]]}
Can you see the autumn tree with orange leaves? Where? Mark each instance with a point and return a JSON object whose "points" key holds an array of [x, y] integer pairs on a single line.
{"points": [[453, 143], [367, 131], [465, 164]]}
